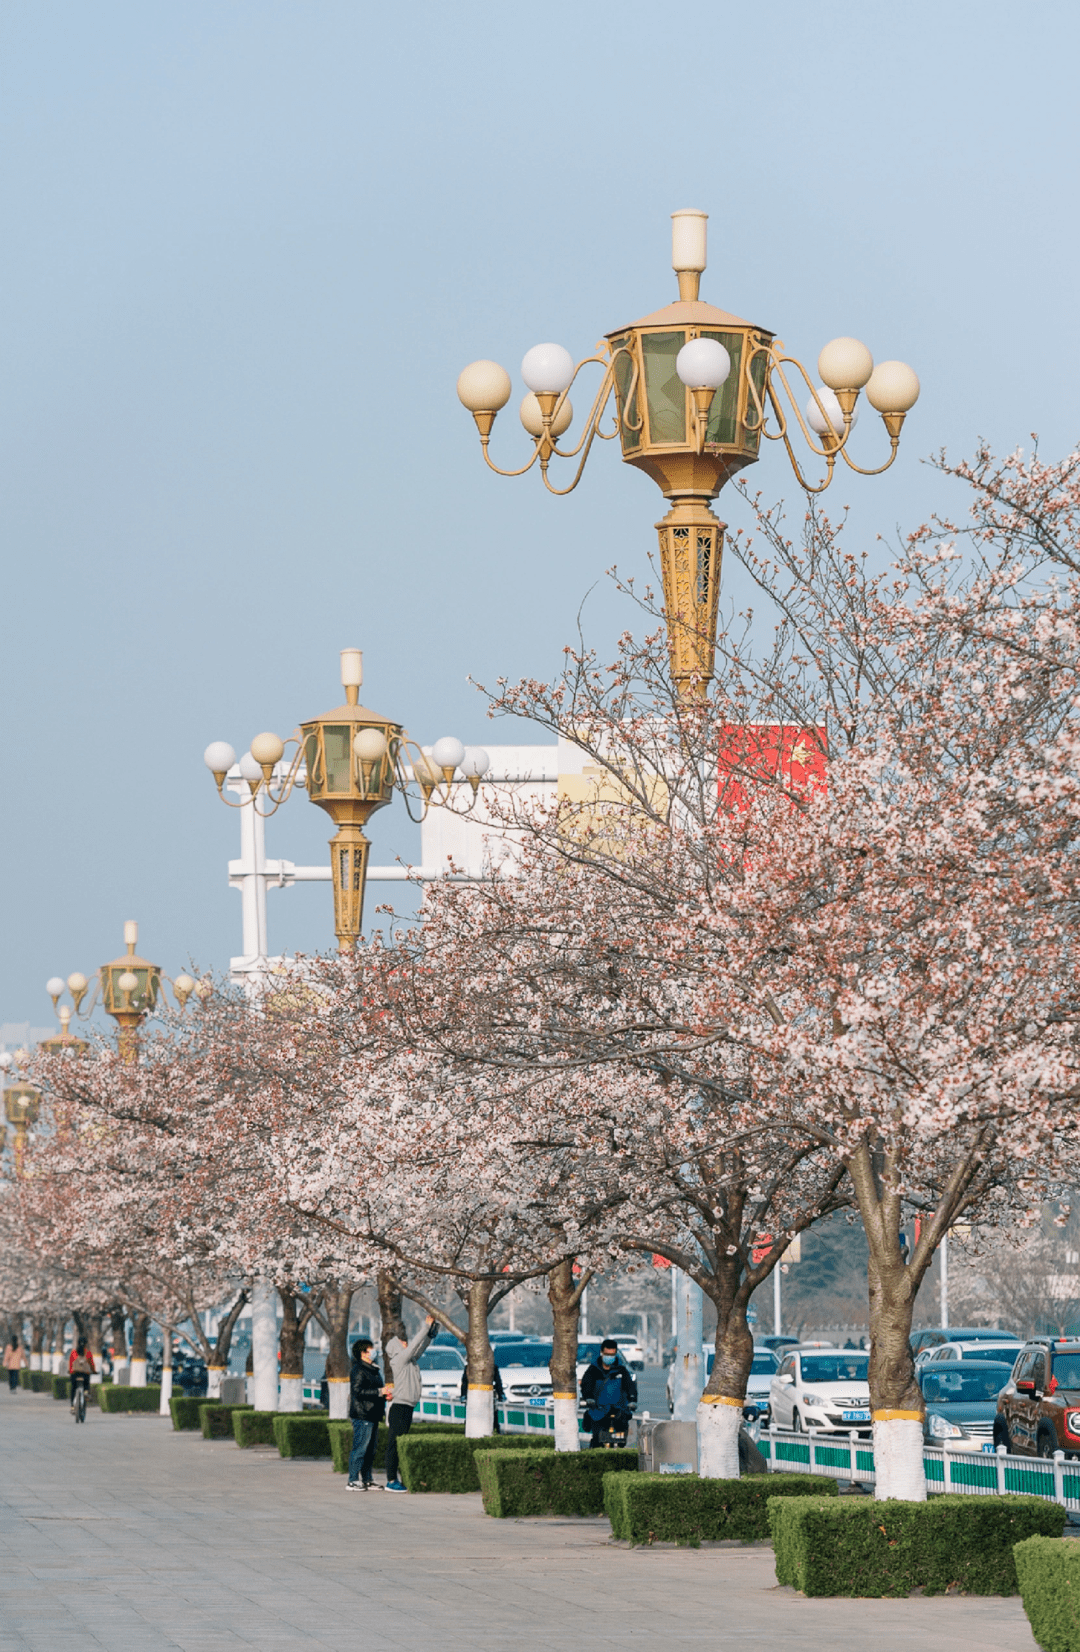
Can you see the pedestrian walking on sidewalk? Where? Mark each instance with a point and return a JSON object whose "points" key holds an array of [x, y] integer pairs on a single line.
{"points": [[14, 1360], [408, 1387], [366, 1406]]}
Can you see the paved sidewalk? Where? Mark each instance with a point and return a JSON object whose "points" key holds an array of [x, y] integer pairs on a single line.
{"points": [[126, 1536]]}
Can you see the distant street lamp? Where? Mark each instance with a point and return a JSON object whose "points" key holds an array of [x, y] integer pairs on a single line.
{"points": [[349, 760], [129, 989], [22, 1103], [695, 390]]}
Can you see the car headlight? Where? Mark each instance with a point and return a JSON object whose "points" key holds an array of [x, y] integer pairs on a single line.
{"points": [[942, 1429], [812, 1399], [1072, 1422]]}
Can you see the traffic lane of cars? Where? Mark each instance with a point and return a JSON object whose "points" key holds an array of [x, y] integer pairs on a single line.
{"points": [[1003, 1352]]}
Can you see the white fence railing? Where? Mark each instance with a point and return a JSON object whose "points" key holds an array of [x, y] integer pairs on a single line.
{"points": [[974, 1473]]}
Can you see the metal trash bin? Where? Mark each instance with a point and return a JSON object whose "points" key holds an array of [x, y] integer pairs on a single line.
{"points": [[666, 1447]]}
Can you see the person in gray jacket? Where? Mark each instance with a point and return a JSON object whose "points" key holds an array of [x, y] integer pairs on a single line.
{"points": [[407, 1386]]}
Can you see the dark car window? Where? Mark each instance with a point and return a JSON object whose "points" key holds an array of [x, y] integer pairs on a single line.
{"points": [[834, 1367], [1022, 1368], [997, 1356], [522, 1353], [787, 1367], [441, 1359], [1066, 1369], [962, 1384], [764, 1365]]}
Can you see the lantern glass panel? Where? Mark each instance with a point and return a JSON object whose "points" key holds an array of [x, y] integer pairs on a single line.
{"points": [[723, 426], [313, 764], [630, 420], [664, 390], [337, 744], [759, 362]]}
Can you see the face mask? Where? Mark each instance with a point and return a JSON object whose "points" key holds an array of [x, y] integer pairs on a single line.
{"points": [[607, 1359]]}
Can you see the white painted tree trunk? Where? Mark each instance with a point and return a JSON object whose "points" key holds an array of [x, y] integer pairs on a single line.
{"points": [[264, 1346], [291, 1394], [339, 1397], [214, 1374], [35, 1362], [166, 1371], [479, 1413], [57, 1363], [567, 1437], [718, 1440], [138, 1373], [898, 1459]]}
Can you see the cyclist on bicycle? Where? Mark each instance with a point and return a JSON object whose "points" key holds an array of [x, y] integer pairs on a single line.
{"points": [[80, 1369]]}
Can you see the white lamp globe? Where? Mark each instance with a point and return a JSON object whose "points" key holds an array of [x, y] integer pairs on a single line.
{"points": [[483, 387], [547, 369], [703, 364], [893, 387], [54, 986], [250, 767], [833, 409], [128, 981], [475, 762], [6, 1060], [845, 364], [447, 752], [369, 745], [267, 748], [533, 420], [77, 982], [219, 757]]}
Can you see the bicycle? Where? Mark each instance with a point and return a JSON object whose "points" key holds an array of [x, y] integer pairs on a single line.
{"points": [[80, 1402]]}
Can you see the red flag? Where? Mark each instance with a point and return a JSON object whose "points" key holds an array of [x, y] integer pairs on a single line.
{"points": [[780, 753]]}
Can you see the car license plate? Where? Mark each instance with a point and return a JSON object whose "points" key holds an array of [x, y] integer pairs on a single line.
{"points": [[538, 1402], [855, 1416], [988, 1445]]}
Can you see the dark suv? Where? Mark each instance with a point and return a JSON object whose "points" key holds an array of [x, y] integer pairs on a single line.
{"points": [[1038, 1410]]}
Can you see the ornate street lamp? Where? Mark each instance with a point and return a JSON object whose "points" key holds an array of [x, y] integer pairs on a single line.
{"points": [[695, 390], [349, 760], [22, 1103], [129, 989]]}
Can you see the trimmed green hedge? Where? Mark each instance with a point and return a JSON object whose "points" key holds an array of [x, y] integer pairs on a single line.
{"points": [[1048, 1572], [59, 1388], [184, 1411], [516, 1483], [685, 1509], [250, 1428], [444, 1462], [215, 1419], [24, 1376], [40, 1382], [857, 1547], [300, 1434], [340, 1430], [112, 1398]]}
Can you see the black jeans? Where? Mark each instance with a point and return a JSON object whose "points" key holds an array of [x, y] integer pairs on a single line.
{"points": [[13, 1380], [398, 1422]]}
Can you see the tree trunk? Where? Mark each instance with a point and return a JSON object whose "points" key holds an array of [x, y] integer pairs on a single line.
{"points": [[166, 1369], [218, 1364], [95, 1341], [480, 1397], [291, 1345], [140, 1326], [391, 1322], [719, 1413], [896, 1403], [118, 1316], [37, 1343], [565, 1298], [337, 1305]]}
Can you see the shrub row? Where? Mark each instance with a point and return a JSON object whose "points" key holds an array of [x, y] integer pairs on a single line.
{"points": [[249, 1427], [685, 1509], [445, 1462], [1048, 1573], [517, 1483], [856, 1547], [59, 1388], [114, 1399], [299, 1434]]}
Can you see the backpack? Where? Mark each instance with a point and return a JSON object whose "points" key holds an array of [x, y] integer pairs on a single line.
{"points": [[81, 1366]]}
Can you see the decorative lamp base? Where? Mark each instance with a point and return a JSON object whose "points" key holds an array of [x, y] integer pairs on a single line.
{"points": [[691, 550], [349, 852]]}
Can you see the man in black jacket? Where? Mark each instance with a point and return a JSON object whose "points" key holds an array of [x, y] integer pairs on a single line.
{"points": [[609, 1392], [367, 1403]]}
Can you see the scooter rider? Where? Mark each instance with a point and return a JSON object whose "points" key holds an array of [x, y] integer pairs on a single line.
{"points": [[609, 1392]]}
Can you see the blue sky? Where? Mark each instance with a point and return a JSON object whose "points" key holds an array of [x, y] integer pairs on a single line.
{"points": [[248, 245]]}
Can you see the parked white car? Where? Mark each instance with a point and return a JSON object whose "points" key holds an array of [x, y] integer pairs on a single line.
{"points": [[1006, 1350], [758, 1383], [525, 1371], [632, 1352], [823, 1390], [440, 1373]]}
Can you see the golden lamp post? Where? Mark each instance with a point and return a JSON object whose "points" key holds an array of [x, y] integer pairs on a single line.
{"points": [[349, 761], [129, 989], [22, 1103], [695, 391]]}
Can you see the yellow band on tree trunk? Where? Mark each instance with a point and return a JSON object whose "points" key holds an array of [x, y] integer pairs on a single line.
{"points": [[292, 1376], [486, 1386], [898, 1416], [721, 1399], [567, 1396]]}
